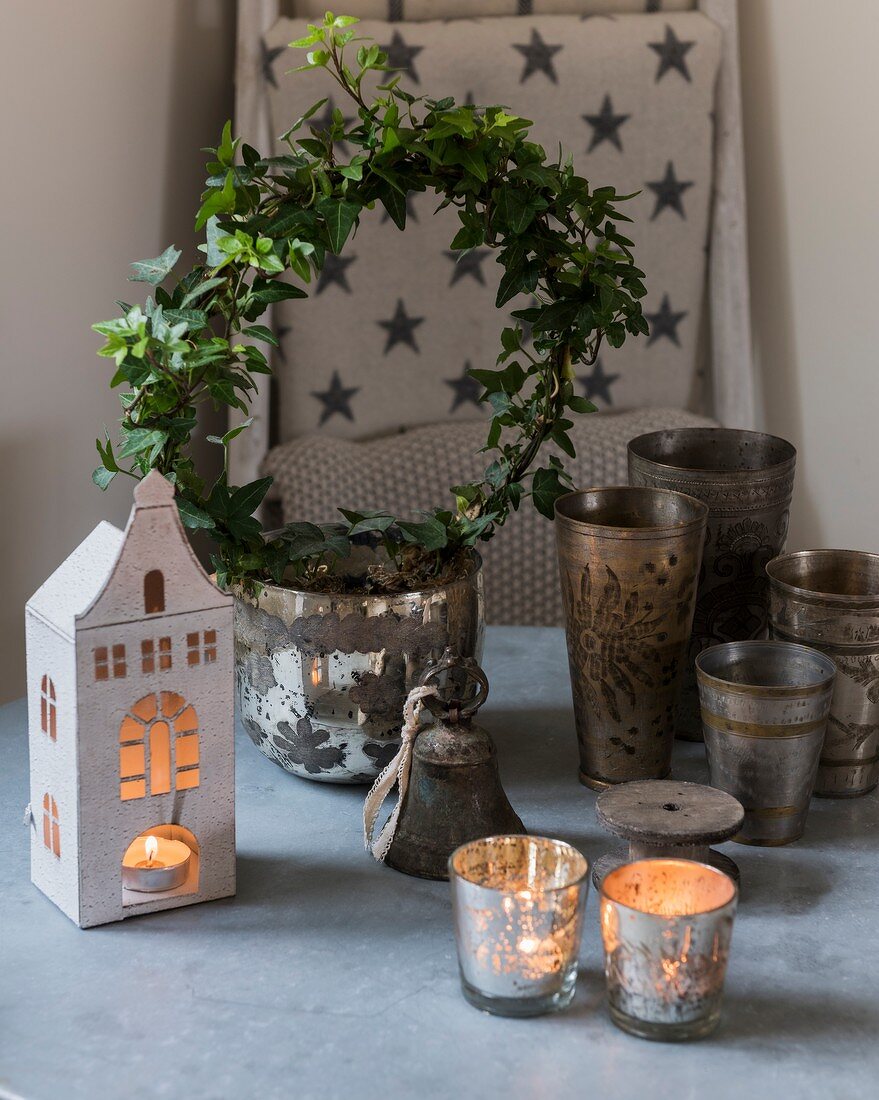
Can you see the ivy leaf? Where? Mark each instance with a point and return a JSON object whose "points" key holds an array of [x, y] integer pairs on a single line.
{"points": [[246, 500], [141, 439], [394, 203], [260, 332], [157, 270], [102, 476], [546, 488], [224, 440], [192, 516], [339, 216], [267, 291], [202, 288], [430, 534]]}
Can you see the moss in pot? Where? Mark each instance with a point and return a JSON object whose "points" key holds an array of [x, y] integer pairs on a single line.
{"points": [[302, 596]]}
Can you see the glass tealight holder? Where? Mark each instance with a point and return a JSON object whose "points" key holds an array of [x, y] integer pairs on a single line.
{"points": [[518, 906], [666, 926]]}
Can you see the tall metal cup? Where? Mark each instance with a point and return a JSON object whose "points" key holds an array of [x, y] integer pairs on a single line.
{"points": [[829, 599], [746, 479], [764, 709], [629, 563]]}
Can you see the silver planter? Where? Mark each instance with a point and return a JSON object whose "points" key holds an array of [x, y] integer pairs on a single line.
{"points": [[746, 479], [764, 712], [322, 678], [829, 599]]}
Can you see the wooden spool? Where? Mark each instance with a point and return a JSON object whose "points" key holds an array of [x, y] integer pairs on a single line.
{"points": [[662, 817]]}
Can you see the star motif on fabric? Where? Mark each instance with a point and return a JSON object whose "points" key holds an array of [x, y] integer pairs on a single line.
{"points": [[281, 333], [466, 389], [269, 53], [605, 125], [334, 271], [668, 192], [468, 263], [597, 384], [664, 323], [411, 216], [337, 399], [401, 329], [672, 53], [538, 57], [401, 56]]}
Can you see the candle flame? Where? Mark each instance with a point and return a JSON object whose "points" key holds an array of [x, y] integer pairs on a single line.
{"points": [[151, 845], [315, 671]]}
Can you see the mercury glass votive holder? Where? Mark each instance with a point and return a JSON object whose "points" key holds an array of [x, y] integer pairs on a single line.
{"points": [[666, 926], [518, 904]]}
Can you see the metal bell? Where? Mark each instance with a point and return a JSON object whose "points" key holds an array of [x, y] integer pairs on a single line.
{"points": [[454, 792]]}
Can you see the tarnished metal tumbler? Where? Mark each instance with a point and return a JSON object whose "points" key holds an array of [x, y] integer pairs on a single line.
{"points": [[764, 712], [666, 926], [629, 562], [746, 479], [518, 907], [829, 599]]}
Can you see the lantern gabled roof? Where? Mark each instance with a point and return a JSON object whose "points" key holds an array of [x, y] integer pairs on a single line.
{"points": [[77, 581]]}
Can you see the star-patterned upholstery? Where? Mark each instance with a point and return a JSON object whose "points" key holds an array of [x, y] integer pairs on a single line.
{"points": [[393, 325]]}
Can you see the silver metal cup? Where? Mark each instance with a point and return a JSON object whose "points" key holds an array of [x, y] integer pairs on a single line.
{"points": [[764, 712], [829, 599], [746, 479], [518, 907], [666, 926]]}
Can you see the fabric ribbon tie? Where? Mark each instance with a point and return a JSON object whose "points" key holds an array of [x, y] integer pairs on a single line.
{"points": [[396, 772]]}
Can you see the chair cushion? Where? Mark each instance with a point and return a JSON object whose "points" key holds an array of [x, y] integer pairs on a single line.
{"points": [[392, 324], [412, 471]]}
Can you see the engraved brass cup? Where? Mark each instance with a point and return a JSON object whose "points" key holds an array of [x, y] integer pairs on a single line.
{"points": [[746, 479], [764, 712], [829, 599], [629, 563]]}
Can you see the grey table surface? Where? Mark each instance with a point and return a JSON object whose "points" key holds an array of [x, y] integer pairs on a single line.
{"points": [[331, 976]]}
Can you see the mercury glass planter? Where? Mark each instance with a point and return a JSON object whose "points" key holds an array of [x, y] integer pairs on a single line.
{"points": [[746, 479], [666, 926], [829, 599], [322, 677], [518, 904], [629, 564], [764, 712]]}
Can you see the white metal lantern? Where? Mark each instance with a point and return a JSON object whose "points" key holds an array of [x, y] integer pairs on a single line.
{"points": [[130, 722]]}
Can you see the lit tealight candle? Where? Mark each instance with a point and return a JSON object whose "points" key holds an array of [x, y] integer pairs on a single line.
{"points": [[154, 864], [518, 906], [666, 926]]}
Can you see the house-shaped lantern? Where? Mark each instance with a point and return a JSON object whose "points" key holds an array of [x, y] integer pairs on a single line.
{"points": [[131, 728]]}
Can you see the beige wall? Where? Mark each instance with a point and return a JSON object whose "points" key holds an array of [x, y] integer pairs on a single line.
{"points": [[105, 105], [810, 72]]}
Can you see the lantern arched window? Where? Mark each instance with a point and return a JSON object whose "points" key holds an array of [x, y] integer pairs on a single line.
{"points": [[153, 592], [48, 708], [51, 825], [158, 747]]}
